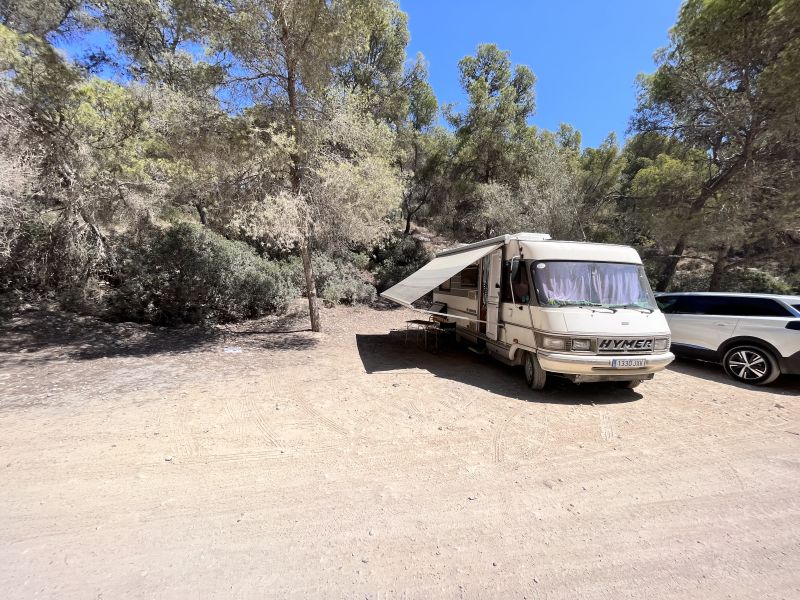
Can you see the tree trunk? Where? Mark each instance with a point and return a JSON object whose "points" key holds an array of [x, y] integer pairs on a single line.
{"points": [[311, 286], [672, 264], [201, 210], [720, 265], [408, 223], [305, 249]]}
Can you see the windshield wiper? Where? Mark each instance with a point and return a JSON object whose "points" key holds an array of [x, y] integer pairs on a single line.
{"points": [[635, 307], [592, 306]]}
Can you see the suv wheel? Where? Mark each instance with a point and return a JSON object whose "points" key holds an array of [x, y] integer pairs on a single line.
{"points": [[535, 376], [751, 364]]}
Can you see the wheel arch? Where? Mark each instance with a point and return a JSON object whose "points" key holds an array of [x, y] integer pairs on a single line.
{"points": [[745, 340], [516, 353]]}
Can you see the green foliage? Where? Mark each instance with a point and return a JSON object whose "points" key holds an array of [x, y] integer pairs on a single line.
{"points": [[722, 89], [660, 189], [188, 274], [374, 69], [51, 257], [755, 281], [156, 36], [422, 103], [491, 134], [396, 257], [43, 17], [696, 280], [339, 280], [738, 279], [333, 142], [425, 162]]}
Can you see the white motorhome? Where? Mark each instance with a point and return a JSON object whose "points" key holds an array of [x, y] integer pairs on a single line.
{"points": [[573, 309]]}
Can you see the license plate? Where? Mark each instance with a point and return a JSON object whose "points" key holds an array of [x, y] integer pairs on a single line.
{"points": [[628, 363]]}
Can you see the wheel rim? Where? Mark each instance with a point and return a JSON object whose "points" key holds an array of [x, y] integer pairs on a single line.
{"points": [[748, 365], [529, 368]]}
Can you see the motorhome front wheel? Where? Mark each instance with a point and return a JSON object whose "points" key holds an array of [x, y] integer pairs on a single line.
{"points": [[535, 376]]}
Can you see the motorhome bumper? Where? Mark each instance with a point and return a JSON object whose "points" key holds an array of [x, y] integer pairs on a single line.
{"points": [[577, 364]]}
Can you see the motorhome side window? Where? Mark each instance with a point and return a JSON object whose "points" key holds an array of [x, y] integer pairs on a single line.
{"points": [[469, 277], [445, 286], [516, 287], [505, 282]]}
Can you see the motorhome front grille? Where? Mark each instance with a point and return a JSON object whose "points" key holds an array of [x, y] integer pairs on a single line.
{"points": [[625, 345]]}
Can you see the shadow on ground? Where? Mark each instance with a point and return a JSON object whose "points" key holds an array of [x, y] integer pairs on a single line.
{"points": [[41, 336], [786, 385], [385, 305], [390, 353]]}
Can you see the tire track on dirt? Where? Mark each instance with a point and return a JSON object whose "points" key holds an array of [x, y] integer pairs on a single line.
{"points": [[317, 416], [498, 441], [411, 408], [541, 437], [271, 455], [253, 410], [606, 427], [235, 412], [185, 445]]}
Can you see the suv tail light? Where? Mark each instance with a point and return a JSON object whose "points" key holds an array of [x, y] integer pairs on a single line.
{"points": [[793, 325]]}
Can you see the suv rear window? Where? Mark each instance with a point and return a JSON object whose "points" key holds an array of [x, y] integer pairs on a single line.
{"points": [[758, 307], [729, 306]]}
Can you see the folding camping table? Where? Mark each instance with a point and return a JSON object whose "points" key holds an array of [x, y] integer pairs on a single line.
{"points": [[431, 328], [422, 328]]}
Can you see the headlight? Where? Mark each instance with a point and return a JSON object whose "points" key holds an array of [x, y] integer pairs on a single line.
{"points": [[553, 343], [581, 344], [661, 344]]}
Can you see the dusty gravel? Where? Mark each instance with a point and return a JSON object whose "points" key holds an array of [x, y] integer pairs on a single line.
{"points": [[146, 463]]}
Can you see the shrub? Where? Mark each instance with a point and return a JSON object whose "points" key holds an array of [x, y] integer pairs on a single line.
{"points": [[754, 280], [189, 274], [52, 257], [396, 257], [340, 281], [696, 280], [793, 280], [738, 279]]}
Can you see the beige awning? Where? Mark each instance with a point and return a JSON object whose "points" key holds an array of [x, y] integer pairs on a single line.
{"points": [[436, 272]]}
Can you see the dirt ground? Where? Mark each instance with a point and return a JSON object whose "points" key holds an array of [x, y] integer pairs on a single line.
{"points": [[151, 463]]}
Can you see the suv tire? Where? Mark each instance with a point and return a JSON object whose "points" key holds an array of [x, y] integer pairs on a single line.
{"points": [[751, 364], [535, 376]]}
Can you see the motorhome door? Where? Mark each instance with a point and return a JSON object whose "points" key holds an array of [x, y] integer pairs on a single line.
{"points": [[493, 293]]}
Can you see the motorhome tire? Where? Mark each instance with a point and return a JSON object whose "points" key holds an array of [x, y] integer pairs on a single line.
{"points": [[535, 376]]}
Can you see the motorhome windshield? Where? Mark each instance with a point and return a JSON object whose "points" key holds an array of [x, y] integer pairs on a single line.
{"points": [[611, 285]]}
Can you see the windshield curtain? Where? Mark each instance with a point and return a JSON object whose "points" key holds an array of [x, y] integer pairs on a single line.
{"points": [[559, 283]]}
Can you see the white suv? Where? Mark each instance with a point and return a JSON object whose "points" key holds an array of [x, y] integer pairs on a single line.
{"points": [[756, 337]]}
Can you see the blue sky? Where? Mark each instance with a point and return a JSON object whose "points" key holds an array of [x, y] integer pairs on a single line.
{"points": [[585, 53]]}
